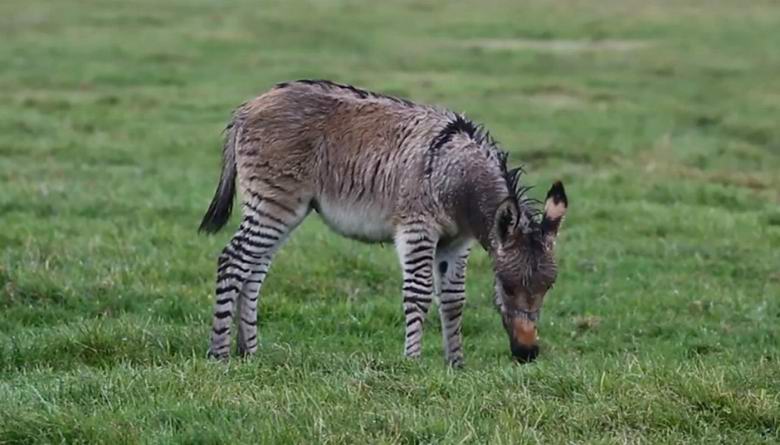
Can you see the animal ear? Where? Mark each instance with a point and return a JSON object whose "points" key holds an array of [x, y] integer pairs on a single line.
{"points": [[506, 219], [555, 206]]}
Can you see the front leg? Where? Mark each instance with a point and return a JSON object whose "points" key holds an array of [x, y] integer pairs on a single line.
{"points": [[451, 261], [416, 247]]}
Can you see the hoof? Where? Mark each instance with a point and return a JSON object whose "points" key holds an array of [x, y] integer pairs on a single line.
{"points": [[219, 357]]}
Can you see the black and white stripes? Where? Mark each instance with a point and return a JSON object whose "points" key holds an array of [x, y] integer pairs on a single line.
{"points": [[416, 246], [430, 270], [451, 261], [242, 268]]}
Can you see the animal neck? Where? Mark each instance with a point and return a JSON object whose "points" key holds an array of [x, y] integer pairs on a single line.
{"points": [[486, 195]]}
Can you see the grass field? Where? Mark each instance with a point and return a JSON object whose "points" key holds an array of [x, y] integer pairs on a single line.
{"points": [[661, 117]]}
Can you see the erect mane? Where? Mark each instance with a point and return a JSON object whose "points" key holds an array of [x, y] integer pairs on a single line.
{"points": [[529, 207], [358, 93], [475, 132]]}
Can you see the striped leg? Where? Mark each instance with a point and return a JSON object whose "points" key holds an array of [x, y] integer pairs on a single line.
{"points": [[451, 262], [247, 307], [242, 268], [416, 247]]}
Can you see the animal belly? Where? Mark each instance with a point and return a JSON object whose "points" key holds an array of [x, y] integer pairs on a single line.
{"points": [[359, 221]]}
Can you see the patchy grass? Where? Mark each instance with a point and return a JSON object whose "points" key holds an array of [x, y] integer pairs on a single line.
{"points": [[664, 324]]}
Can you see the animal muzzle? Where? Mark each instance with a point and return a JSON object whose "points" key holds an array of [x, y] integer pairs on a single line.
{"points": [[523, 340]]}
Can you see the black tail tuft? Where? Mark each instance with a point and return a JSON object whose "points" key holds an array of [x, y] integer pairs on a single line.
{"points": [[220, 208], [221, 205]]}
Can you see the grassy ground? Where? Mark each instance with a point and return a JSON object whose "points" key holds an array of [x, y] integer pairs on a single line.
{"points": [[661, 118]]}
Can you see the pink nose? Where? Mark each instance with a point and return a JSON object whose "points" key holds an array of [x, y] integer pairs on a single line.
{"points": [[524, 340], [524, 332]]}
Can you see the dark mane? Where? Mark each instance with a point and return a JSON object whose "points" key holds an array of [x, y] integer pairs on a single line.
{"points": [[526, 204], [357, 92], [462, 125], [477, 132]]}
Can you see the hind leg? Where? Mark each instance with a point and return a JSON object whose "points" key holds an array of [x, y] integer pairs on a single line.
{"points": [[247, 307], [244, 263]]}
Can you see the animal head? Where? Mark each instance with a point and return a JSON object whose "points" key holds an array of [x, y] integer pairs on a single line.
{"points": [[525, 267]]}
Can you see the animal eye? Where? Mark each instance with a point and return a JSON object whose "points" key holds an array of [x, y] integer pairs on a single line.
{"points": [[507, 290]]}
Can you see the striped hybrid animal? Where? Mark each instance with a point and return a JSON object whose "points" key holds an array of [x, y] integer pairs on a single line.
{"points": [[379, 169]]}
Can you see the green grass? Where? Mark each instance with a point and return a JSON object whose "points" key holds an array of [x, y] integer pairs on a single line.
{"points": [[660, 117]]}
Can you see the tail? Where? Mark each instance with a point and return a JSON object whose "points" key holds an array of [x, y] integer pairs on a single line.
{"points": [[221, 205]]}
